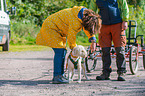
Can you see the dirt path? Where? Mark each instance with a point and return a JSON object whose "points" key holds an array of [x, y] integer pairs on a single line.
{"points": [[30, 74]]}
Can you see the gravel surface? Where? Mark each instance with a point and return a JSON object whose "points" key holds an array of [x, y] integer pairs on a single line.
{"points": [[30, 74]]}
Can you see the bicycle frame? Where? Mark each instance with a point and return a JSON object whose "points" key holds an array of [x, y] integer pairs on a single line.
{"points": [[131, 50]]}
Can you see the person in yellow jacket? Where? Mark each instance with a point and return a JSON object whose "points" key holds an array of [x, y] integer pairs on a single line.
{"points": [[64, 24]]}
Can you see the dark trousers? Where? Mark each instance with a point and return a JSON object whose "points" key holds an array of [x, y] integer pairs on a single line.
{"points": [[120, 60]]}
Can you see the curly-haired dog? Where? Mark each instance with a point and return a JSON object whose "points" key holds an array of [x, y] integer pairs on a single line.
{"points": [[74, 62]]}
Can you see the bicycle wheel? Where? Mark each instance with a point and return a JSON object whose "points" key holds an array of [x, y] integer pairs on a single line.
{"points": [[133, 59], [144, 61], [90, 60]]}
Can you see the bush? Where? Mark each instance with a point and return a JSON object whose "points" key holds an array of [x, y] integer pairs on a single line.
{"points": [[31, 14], [23, 33], [138, 15]]}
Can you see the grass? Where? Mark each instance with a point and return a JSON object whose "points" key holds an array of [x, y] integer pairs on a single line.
{"points": [[20, 48]]}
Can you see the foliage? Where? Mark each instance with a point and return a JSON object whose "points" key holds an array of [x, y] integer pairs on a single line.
{"points": [[23, 33], [31, 13], [138, 14]]}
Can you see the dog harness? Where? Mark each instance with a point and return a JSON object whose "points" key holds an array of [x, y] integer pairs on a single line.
{"points": [[74, 62]]}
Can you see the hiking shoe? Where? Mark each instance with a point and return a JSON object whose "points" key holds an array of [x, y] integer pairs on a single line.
{"points": [[103, 76], [59, 80], [120, 77]]}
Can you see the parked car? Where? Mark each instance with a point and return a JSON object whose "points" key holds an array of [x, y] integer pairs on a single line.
{"points": [[5, 32]]}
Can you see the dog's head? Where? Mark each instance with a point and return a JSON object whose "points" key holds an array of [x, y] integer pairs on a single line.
{"points": [[79, 51]]}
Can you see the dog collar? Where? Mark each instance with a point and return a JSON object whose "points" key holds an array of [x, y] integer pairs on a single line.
{"points": [[72, 55], [75, 63]]}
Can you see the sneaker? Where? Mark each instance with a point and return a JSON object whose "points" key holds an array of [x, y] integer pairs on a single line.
{"points": [[59, 80], [64, 77], [103, 76], [120, 77]]}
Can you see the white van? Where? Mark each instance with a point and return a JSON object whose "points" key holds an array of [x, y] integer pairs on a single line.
{"points": [[4, 26]]}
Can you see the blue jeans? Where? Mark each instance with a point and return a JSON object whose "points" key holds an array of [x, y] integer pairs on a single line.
{"points": [[59, 59]]}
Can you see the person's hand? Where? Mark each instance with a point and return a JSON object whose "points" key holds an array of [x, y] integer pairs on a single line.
{"points": [[93, 46], [124, 25]]}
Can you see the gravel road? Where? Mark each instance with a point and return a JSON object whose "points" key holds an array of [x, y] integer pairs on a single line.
{"points": [[30, 74]]}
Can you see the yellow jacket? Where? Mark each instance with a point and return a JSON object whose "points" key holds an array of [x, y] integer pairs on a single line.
{"points": [[60, 25]]}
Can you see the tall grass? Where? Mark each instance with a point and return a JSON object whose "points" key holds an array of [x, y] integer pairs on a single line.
{"points": [[23, 33]]}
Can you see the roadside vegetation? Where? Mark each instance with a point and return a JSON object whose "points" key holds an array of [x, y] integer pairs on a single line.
{"points": [[30, 15]]}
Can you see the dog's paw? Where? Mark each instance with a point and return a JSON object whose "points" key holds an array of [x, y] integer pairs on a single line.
{"points": [[78, 81], [70, 80], [87, 79]]}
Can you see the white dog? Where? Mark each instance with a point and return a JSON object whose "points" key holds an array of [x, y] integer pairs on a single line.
{"points": [[74, 62]]}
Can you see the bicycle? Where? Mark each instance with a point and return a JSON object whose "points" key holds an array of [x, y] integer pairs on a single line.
{"points": [[132, 51]]}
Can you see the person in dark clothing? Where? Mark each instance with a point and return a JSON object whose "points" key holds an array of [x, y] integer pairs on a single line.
{"points": [[114, 15]]}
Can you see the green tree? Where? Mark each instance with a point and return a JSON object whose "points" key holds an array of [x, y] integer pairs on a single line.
{"points": [[34, 12]]}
